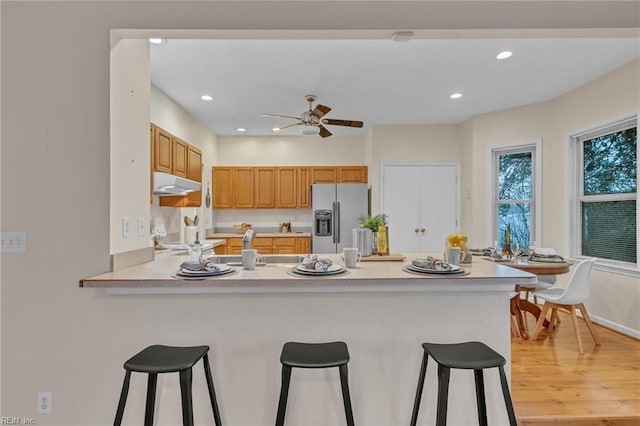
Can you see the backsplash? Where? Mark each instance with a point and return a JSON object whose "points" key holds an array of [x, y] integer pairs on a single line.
{"points": [[266, 220]]}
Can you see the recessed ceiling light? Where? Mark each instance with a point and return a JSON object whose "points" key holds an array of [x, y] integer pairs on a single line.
{"points": [[455, 95], [402, 36], [504, 55], [275, 129], [241, 129], [206, 97], [156, 40]]}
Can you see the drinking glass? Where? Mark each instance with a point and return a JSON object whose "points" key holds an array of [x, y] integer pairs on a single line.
{"points": [[515, 248]]}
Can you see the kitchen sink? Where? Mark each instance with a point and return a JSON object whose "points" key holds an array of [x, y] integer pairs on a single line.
{"points": [[266, 259]]}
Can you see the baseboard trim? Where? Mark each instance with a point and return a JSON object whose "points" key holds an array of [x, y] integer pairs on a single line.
{"points": [[615, 326]]}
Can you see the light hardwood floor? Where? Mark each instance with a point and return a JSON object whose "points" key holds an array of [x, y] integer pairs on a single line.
{"points": [[552, 384]]}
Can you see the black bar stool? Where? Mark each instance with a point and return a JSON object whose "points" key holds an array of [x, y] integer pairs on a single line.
{"points": [[168, 359], [314, 355], [474, 356]]}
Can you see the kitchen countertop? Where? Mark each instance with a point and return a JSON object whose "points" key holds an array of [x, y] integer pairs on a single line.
{"points": [[369, 276], [259, 234]]}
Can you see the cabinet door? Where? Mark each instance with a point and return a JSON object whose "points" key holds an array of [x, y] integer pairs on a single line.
{"points": [[284, 245], [194, 172], [234, 245], [303, 245], [352, 174], [264, 245], [242, 181], [265, 187], [286, 187], [151, 132], [163, 151], [180, 155], [222, 178], [304, 187], [323, 175]]}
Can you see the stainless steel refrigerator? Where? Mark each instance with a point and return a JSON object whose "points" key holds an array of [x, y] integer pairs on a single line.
{"points": [[336, 208]]}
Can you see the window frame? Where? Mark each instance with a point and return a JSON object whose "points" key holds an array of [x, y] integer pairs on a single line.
{"points": [[576, 149], [535, 147]]}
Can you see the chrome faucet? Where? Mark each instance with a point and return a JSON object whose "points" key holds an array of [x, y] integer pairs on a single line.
{"points": [[247, 238]]}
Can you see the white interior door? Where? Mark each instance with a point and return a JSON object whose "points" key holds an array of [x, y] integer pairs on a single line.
{"points": [[416, 197]]}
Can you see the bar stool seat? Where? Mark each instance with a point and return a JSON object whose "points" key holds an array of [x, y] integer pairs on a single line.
{"points": [[158, 359], [314, 355], [474, 356]]}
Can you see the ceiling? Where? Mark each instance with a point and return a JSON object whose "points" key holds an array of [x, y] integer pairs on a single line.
{"points": [[376, 81]]}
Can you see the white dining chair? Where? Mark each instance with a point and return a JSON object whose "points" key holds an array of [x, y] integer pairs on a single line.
{"points": [[570, 298]]}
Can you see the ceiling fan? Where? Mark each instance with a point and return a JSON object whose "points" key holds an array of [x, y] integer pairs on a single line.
{"points": [[312, 120]]}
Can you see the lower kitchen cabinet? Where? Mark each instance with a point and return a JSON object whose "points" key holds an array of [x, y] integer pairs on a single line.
{"points": [[284, 245], [264, 245], [268, 245]]}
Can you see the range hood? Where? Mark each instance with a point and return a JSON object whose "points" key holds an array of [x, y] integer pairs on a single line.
{"points": [[167, 184]]}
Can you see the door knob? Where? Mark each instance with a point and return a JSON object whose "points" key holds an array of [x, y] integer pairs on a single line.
{"points": [[416, 230], [422, 230]]}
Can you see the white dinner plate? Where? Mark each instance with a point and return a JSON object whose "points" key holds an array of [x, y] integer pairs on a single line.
{"points": [[333, 268], [222, 268], [454, 270], [413, 270]]}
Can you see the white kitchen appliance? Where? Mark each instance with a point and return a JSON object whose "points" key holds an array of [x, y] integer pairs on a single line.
{"points": [[336, 209]]}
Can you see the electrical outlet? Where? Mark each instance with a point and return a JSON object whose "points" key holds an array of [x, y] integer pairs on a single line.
{"points": [[141, 226], [45, 402], [126, 227], [14, 242]]}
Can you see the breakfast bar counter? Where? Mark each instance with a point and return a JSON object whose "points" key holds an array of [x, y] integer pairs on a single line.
{"points": [[382, 312]]}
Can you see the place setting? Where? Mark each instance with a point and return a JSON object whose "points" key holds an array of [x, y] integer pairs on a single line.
{"points": [[202, 269], [431, 266], [313, 266]]}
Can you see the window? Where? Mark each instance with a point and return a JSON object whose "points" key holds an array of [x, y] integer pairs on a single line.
{"points": [[606, 205], [515, 187]]}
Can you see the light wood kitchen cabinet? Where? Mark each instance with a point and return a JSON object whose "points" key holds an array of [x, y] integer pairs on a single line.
{"points": [[264, 245], [162, 150], [265, 187], [222, 178], [303, 245], [323, 175], [286, 187], [193, 172], [180, 157], [234, 245], [352, 174], [242, 182], [284, 245], [151, 130], [304, 187]]}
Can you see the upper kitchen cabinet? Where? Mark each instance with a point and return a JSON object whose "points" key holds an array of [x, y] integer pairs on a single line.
{"points": [[222, 178], [265, 187], [323, 175], [162, 150], [304, 187], [180, 157], [242, 187], [352, 174], [286, 187], [193, 171]]}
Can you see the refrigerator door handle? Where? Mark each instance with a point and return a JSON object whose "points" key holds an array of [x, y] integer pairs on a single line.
{"points": [[333, 231], [338, 221]]}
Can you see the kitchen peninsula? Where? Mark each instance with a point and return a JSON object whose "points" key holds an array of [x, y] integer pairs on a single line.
{"points": [[380, 311]]}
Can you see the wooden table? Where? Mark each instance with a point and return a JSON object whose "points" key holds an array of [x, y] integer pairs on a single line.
{"points": [[520, 305]]}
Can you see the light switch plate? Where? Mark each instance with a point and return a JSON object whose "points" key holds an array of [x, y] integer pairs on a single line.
{"points": [[14, 242], [126, 227], [141, 226]]}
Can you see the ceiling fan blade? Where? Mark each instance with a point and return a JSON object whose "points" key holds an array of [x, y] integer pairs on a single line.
{"points": [[286, 127], [349, 123], [324, 133], [321, 110], [279, 116]]}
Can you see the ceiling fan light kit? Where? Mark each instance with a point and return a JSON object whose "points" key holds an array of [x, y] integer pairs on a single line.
{"points": [[312, 122]]}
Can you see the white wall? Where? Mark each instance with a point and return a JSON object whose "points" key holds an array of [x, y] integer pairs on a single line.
{"points": [[129, 106], [55, 134]]}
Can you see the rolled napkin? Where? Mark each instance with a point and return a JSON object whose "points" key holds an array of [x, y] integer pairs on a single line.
{"points": [[538, 256], [203, 265], [316, 264], [431, 263]]}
